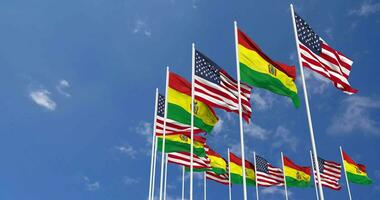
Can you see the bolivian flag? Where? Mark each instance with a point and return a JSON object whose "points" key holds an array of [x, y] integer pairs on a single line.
{"points": [[356, 173], [296, 176], [179, 105], [257, 69], [236, 171], [218, 164], [182, 143]]}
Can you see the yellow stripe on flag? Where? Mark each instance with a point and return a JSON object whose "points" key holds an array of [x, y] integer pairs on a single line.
{"points": [[202, 111], [257, 63], [353, 169], [182, 139], [296, 174], [237, 169], [217, 162]]}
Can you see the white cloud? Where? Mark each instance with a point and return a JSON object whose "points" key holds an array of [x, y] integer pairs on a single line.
{"points": [[328, 32], [366, 8], [256, 131], [141, 27], [354, 114], [218, 128], [41, 97], [283, 137], [274, 190], [91, 186], [262, 100], [316, 83], [145, 129], [130, 181], [127, 149], [61, 86]]}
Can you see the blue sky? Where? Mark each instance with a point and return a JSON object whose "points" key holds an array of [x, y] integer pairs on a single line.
{"points": [[78, 80]]}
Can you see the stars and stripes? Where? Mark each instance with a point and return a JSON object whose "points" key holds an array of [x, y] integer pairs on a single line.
{"points": [[223, 178], [267, 175], [183, 158], [172, 127], [330, 173], [317, 55], [215, 87]]}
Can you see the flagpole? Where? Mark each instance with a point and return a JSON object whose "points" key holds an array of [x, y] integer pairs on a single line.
{"points": [[183, 182], [164, 133], [204, 186], [345, 173], [229, 175], [314, 148], [283, 169], [166, 174], [154, 167], [192, 120], [153, 147], [240, 111], [315, 182], [257, 185]]}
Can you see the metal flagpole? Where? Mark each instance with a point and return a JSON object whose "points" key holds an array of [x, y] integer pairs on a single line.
{"points": [[204, 186], [315, 182], [154, 167], [229, 175], [314, 148], [283, 169], [257, 185], [164, 133], [240, 111], [153, 147], [166, 175], [345, 173], [192, 120], [183, 182]]}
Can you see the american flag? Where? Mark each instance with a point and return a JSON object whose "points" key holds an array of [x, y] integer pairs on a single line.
{"points": [[267, 175], [317, 55], [330, 173], [183, 158], [215, 87], [223, 178], [172, 127]]}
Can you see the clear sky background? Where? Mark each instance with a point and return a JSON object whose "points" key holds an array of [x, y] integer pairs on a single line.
{"points": [[78, 80]]}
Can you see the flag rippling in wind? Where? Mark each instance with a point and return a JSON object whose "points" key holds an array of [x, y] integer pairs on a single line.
{"points": [[317, 55], [172, 126], [330, 173], [222, 178], [184, 158], [215, 87], [356, 173], [267, 175]]}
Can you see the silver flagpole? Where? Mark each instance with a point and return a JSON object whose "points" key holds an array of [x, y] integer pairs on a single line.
{"points": [[166, 175], [164, 133], [315, 182], [154, 167], [204, 186], [345, 173], [229, 175], [192, 120], [183, 182], [257, 185], [240, 111], [313, 145], [283, 169], [153, 147]]}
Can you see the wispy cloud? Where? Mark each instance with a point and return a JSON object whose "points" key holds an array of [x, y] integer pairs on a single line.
{"points": [[218, 128], [62, 85], [130, 181], [127, 149], [91, 186], [274, 190], [329, 34], [317, 83], [145, 129], [255, 131], [355, 114], [283, 137], [141, 27], [366, 8], [262, 100], [42, 98]]}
